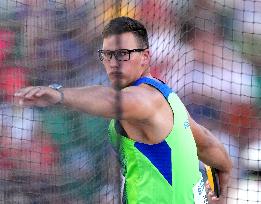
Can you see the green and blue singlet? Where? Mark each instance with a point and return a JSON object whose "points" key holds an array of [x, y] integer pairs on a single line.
{"points": [[163, 173]]}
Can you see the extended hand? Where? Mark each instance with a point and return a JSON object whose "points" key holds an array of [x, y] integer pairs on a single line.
{"points": [[223, 181], [40, 96]]}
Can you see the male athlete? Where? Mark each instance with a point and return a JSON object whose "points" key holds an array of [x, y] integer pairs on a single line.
{"points": [[160, 144]]}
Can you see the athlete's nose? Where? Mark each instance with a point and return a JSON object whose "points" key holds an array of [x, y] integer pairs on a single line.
{"points": [[114, 62]]}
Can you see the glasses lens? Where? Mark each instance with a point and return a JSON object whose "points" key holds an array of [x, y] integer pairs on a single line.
{"points": [[103, 54], [122, 55], [100, 55]]}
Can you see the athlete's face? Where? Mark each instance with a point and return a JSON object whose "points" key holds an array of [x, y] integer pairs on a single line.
{"points": [[122, 61]]}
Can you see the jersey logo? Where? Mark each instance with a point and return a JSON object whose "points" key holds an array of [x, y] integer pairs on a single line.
{"points": [[186, 124]]}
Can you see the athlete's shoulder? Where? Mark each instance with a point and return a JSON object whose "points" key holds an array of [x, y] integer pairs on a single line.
{"points": [[143, 90], [140, 102]]}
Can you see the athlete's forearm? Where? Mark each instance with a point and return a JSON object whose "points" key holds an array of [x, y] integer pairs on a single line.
{"points": [[213, 153], [95, 100]]}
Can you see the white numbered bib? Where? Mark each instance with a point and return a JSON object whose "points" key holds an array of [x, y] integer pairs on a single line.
{"points": [[199, 191]]}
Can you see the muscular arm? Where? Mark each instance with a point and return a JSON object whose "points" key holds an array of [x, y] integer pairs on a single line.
{"points": [[95, 100], [210, 150], [102, 101], [212, 153]]}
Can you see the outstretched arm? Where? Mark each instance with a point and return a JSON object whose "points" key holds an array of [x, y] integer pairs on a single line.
{"points": [[212, 153], [95, 100]]}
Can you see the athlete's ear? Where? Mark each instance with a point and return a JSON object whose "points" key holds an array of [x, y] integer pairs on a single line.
{"points": [[145, 58]]}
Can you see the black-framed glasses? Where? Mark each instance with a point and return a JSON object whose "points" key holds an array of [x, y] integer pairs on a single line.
{"points": [[120, 55]]}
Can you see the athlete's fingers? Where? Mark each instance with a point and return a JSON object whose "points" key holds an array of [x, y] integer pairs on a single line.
{"points": [[41, 92], [214, 198], [211, 193], [22, 92], [33, 92], [25, 102], [207, 185]]}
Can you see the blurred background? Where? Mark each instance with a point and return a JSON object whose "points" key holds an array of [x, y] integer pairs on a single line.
{"points": [[208, 51]]}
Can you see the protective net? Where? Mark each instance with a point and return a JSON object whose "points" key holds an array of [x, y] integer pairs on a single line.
{"points": [[207, 51]]}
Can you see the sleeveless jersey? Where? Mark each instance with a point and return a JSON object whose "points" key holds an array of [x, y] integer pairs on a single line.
{"points": [[163, 173]]}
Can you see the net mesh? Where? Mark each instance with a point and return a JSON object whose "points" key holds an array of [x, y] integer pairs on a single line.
{"points": [[207, 51]]}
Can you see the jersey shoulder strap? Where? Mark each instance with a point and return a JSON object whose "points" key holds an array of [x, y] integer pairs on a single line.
{"points": [[159, 85]]}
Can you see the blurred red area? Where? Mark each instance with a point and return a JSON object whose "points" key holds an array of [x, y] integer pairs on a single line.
{"points": [[31, 156], [7, 41], [11, 79]]}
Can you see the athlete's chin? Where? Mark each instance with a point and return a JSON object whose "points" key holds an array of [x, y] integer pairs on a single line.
{"points": [[119, 83]]}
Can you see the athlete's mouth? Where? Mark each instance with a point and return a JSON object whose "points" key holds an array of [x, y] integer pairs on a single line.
{"points": [[116, 74]]}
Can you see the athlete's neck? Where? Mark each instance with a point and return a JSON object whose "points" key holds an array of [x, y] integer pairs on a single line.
{"points": [[146, 73]]}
